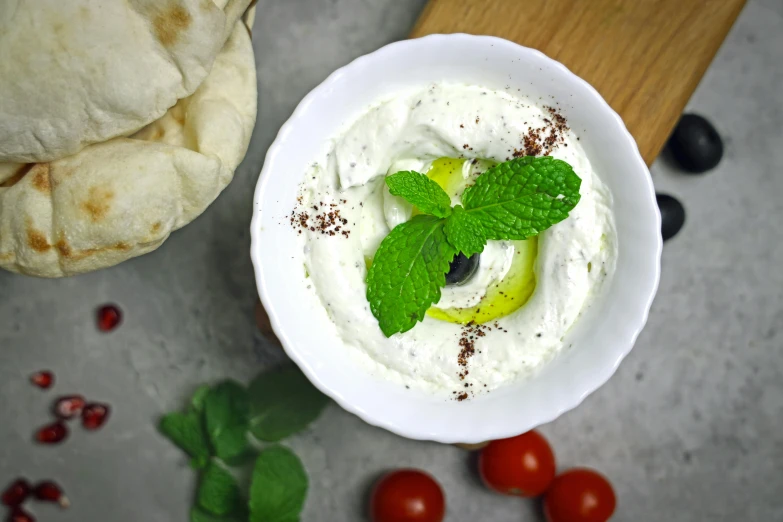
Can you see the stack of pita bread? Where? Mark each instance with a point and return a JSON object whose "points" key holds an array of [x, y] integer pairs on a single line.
{"points": [[120, 122]]}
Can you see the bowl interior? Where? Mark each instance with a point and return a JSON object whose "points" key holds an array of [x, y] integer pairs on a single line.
{"points": [[600, 339]]}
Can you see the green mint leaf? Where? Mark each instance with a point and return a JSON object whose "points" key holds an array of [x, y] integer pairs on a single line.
{"points": [[187, 432], [218, 492], [521, 198], [226, 418], [279, 486], [283, 403], [197, 401], [465, 232], [199, 463], [200, 515], [407, 273], [420, 191]]}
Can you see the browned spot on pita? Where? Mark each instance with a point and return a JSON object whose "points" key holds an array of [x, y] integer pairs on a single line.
{"points": [[98, 203], [7, 256], [63, 247], [66, 251], [36, 240], [156, 227], [40, 175], [170, 23], [18, 175]]}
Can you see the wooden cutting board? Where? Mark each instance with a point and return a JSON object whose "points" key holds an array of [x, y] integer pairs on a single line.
{"points": [[645, 57]]}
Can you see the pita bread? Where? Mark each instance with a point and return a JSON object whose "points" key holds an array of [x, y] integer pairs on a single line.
{"points": [[122, 198], [76, 72]]}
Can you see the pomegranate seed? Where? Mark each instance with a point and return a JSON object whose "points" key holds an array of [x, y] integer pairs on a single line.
{"points": [[48, 491], [69, 406], [20, 515], [95, 415], [109, 318], [16, 493], [43, 379], [52, 434]]}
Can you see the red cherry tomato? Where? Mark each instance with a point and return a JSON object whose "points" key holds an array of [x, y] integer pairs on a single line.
{"points": [[523, 465], [580, 495], [407, 495]]}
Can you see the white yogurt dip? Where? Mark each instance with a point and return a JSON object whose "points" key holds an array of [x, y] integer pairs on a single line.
{"points": [[411, 132]]}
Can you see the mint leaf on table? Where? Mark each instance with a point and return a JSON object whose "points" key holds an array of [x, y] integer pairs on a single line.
{"points": [[187, 432], [420, 191], [197, 401], [226, 412], [283, 403], [200, 515], [521, 198], [279, 486], [218, 492], [407, 273]]}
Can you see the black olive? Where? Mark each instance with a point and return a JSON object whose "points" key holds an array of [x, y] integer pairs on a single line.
{"points": [[672, 215], [461, 269], [695, 144]]}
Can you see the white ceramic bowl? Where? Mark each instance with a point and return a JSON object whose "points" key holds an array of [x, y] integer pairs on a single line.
{"points": [[601, 338]]}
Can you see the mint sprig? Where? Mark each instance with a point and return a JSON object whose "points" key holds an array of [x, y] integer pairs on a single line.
{"points": [[216, 431], [514, 200]]}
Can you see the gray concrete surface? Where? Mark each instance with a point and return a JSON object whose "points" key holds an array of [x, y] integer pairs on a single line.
{"points": [[689, 429]]}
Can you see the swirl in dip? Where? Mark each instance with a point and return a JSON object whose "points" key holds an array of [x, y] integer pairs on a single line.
{"points": [[510, 317]]}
